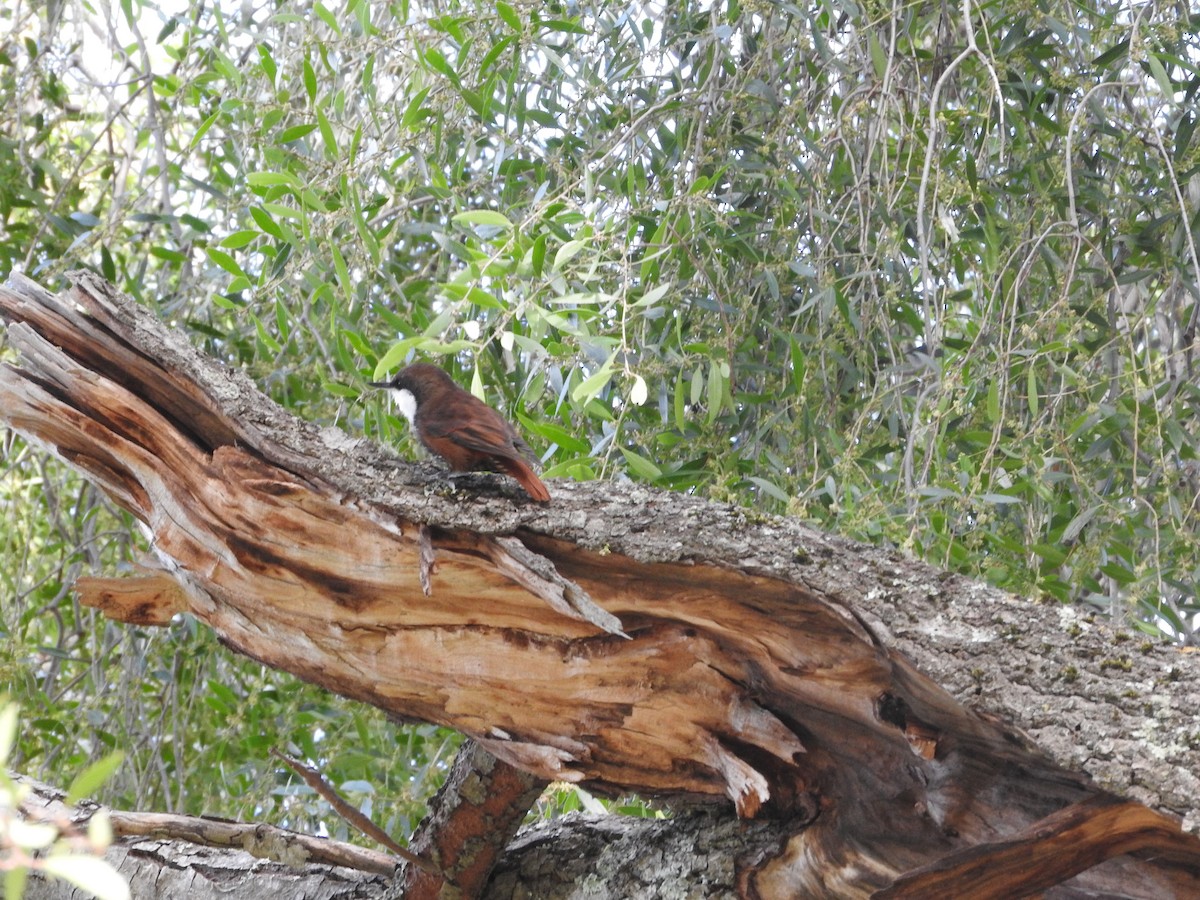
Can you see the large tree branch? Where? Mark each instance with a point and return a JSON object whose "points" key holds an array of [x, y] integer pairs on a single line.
{"points": [[763, 662]]}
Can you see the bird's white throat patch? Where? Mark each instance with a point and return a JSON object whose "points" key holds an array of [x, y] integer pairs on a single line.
{"points": [[405, 402]]}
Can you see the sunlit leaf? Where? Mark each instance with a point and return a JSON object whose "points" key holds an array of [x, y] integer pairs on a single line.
{"points": [[267, 179], [225, 261], [482, 217], [296, 132], [240, 239], [8, 730], [94, 776], [509, 15], [593, 384]]}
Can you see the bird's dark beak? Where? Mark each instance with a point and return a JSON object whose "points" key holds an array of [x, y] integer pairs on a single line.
{"points": [[379, 384]]}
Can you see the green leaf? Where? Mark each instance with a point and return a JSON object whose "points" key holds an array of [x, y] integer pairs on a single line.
{"points": [[415, 112], [367, 237], [368, 76], [267, 62], [99, 828], [798, 364], [1051, 553], [1118, 573], [1160, 75], [566, 253], [168, 254], [327, 17], [240, 239], [395, 355], [203, 130], [482, 217], [509, 15], [356, 341], [655, 248], [265, 336], [575, 469], [312, 201], [8, 731], [716, 391], [225, 303], [30, 835], [93, 777], [538, 260], [594, 384], [680, 405], [554, 434], [472, 294], [878, 57], [283, 320], [295, 132], [567, 26], [310, 80], [770, 488], [641, 466], [1183, 135], [651, 296], [271, 179], [438, 62], [1116, 52], [331, 148], [225, 261], [343, 273], [263, 220], [108, 268]]}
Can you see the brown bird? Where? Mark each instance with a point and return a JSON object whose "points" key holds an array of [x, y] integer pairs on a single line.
{"points": [[460, 428]]}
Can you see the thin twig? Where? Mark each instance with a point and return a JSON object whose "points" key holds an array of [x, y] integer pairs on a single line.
{"points": [[347, 811]]}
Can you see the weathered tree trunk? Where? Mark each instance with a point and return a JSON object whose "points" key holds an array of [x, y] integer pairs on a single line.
{"points": [[750, 659]]}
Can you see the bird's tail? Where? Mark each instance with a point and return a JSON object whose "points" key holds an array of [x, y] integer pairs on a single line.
{"points": [[517, 468]]}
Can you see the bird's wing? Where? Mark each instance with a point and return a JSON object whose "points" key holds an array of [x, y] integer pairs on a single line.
{"points": [[484, 434]]}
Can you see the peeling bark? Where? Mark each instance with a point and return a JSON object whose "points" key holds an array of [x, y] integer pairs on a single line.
{"points": [[472, 819], [627, 639]]}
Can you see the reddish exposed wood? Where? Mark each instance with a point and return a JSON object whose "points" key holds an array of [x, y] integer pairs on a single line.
{"points": [[472, 819], [731, 683], [1063, 844]]}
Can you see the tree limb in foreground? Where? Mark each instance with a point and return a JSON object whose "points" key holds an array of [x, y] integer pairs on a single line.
{"points": [[759, 665]]}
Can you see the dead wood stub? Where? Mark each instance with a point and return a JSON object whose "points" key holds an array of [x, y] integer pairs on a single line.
{"points": [[730, 684]]}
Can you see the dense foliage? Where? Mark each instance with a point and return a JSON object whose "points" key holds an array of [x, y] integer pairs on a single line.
{"points": [[921, 274]]}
